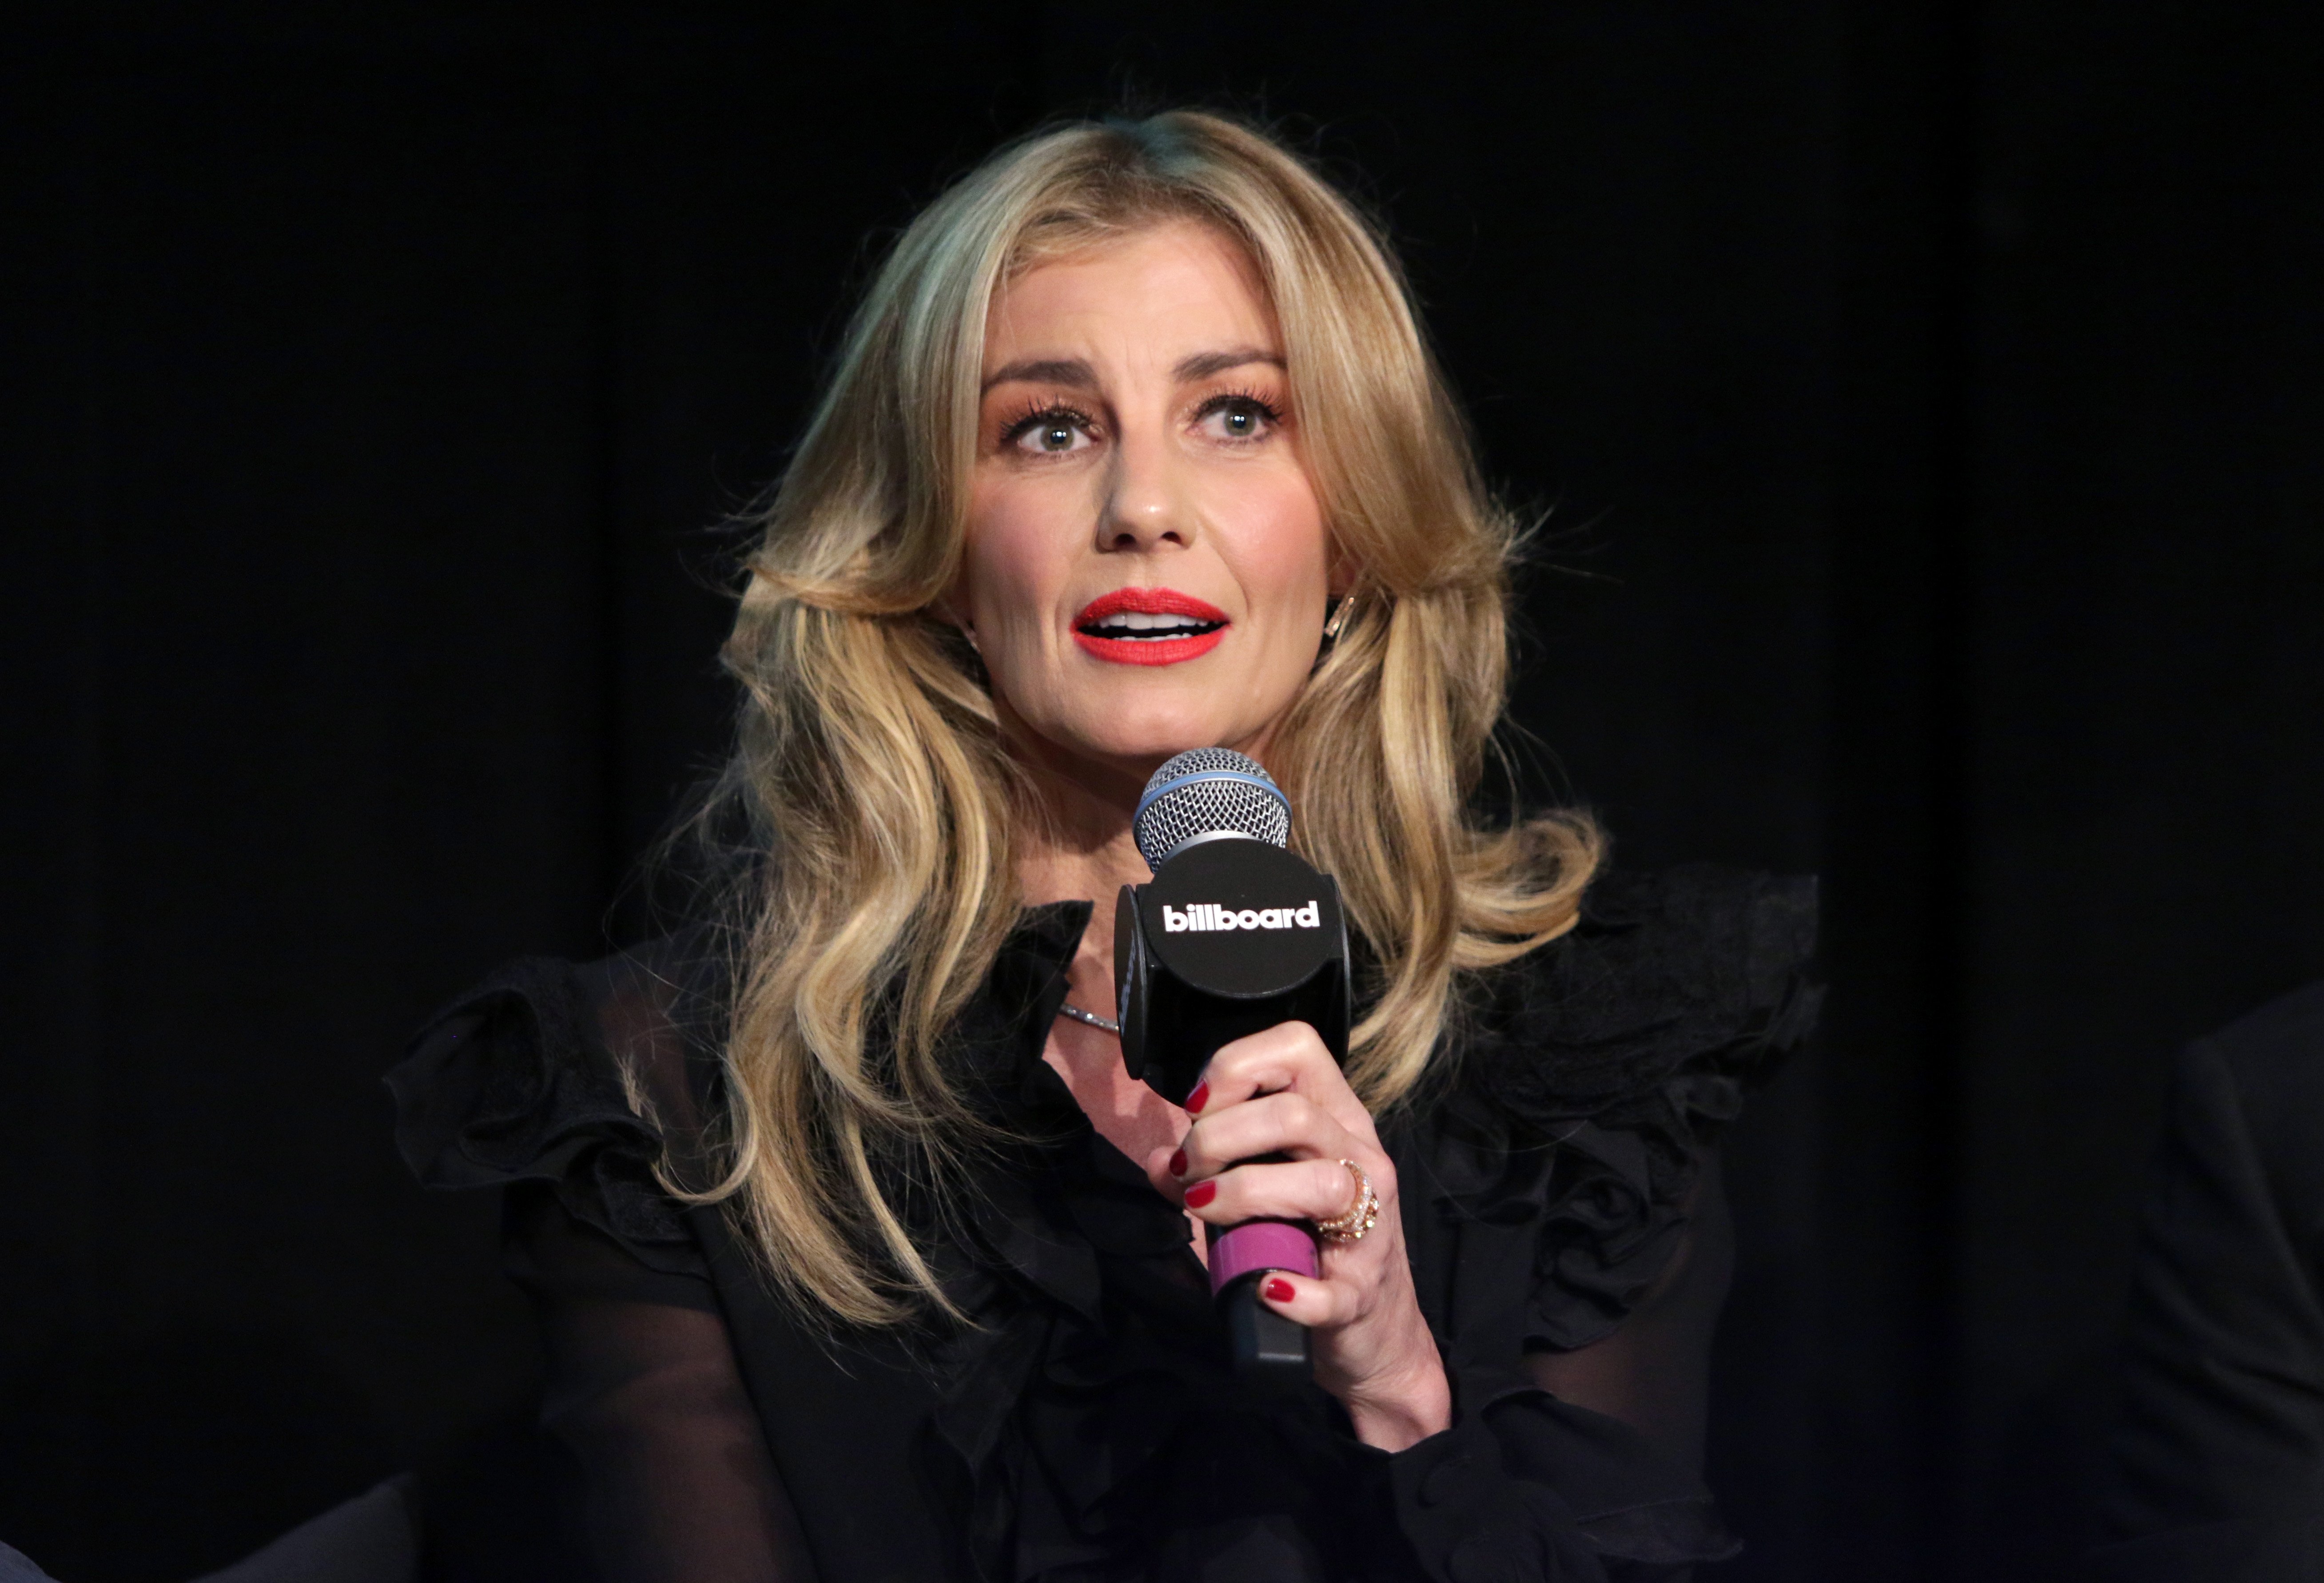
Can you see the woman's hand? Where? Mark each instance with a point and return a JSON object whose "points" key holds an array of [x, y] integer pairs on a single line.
{"points": [[1281, 1092]]}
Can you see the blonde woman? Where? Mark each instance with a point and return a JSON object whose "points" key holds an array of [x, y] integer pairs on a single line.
{"points": [[859, 1255]]}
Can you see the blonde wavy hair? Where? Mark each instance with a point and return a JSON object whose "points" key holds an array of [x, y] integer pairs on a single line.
{"points": [[876, 778]]}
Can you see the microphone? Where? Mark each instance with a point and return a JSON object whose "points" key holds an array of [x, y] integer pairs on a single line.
{"points": [[1234, 934]]}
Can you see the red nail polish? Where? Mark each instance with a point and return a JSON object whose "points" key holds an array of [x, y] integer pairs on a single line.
{"points": [[1278, 1290], [1178, 1163], [1199, 1098], [1201, 1194]]}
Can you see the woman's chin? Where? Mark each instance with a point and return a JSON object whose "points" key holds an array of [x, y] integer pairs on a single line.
{"points": [[1134, 727], [1141, 745]]}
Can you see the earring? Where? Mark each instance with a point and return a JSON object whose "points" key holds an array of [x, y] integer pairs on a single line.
{"points": [[1339, 617]]}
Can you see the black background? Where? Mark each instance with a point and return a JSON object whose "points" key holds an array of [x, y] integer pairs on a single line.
{"points": [[1924, 402]]}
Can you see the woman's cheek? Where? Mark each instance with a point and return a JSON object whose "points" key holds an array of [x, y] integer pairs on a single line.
{"points": [[1285, 565], [1015, 563]]}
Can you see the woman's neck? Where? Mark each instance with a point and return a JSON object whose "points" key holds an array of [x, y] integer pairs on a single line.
{"points": [[1084, 851], [1080, 846]]}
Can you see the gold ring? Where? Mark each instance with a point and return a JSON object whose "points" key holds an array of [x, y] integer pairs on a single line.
{"points": [[1361, 1215]]}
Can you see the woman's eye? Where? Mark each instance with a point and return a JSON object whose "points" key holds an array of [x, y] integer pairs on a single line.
{"points": [[1051, 434], [1239, 418]]}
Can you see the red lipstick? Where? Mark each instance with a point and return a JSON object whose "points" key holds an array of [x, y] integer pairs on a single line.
{"points": [[1148, 626]]}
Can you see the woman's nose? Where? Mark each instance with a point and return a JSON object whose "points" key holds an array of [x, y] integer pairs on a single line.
{"points": [[1145, 506]]}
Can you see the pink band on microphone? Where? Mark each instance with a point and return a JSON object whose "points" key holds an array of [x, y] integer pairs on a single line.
{"points": [[1262, 1245]]}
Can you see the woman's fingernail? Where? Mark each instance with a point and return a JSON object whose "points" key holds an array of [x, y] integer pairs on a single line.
{"points": [[1178, 1163], [1201, 1194], [1199, 1098], [1278, 1290]]}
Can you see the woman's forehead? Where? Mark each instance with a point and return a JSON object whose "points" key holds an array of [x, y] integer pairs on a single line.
{"points": [[1178, 280]]}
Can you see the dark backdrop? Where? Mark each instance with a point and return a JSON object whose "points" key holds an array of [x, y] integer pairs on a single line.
{"points": [[1923, 399]]}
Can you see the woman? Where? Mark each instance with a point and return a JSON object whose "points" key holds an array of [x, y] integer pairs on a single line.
{"points": [[858, 1254]]}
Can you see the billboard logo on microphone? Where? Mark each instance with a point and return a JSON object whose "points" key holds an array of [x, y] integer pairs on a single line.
{"points": [[1199, 916]]}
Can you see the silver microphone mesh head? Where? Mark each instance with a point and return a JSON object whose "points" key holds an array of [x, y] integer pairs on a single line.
{"points": [[1208, 791]]}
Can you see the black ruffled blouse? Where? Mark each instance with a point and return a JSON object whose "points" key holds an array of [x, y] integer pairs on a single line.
{"points": [[1560, 1204]]}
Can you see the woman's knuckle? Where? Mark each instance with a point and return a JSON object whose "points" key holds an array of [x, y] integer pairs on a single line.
{"points": [[1258, 1128]]}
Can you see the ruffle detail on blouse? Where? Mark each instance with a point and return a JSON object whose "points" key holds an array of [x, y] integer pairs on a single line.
{"points": [[1090, 1410], [1117, 1446], [511, 1083], [1091, 1456], [1600, 1069]]}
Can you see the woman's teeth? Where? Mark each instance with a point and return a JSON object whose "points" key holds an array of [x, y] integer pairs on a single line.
{"points": [[1125, 623]]}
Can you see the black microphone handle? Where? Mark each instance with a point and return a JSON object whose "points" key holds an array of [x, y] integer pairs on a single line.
{"points": [[1188, 987], [1268, 1350]]}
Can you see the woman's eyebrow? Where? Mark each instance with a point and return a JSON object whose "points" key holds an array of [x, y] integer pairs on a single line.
{"points": [[1203, 365], [1070, 372], [1076, 374]]}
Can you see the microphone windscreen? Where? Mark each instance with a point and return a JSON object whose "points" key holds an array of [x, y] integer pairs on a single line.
{"points": [[1208, 791]]}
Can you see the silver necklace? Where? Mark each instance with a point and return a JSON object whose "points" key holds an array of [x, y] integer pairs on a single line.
{"points": [[1090, 1017]]}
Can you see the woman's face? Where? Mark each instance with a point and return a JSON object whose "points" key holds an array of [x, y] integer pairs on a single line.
{"points": [[1146, 564]]}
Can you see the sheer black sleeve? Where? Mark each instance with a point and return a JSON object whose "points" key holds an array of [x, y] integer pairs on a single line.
{"points": [[675, 1482], [558, 1083], [1653, 1372], [1570, 1237]]}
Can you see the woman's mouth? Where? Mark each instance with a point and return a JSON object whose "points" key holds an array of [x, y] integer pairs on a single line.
{"points": [[1148, 626]]}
